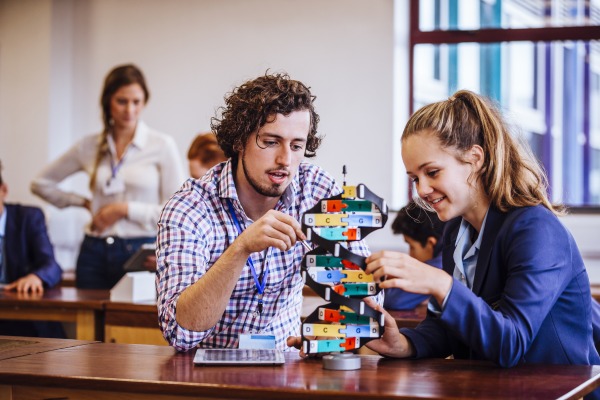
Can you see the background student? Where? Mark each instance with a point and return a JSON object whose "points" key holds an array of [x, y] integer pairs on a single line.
{"points": [[27, 263], [422, 231], [513, 288], [133, 170], [227, 247], [203, 154]]}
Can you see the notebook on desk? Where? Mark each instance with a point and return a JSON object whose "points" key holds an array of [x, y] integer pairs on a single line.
{"points": [[239, 357]]}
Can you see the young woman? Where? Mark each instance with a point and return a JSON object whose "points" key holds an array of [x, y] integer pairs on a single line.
{"points": [[513, 288], [133, 171]]}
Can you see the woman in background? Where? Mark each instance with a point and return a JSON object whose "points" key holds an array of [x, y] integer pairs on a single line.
{"points": [[133, 171]]}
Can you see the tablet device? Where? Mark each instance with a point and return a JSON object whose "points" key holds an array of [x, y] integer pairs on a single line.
{"points": [[239, 357], [136, 261]]}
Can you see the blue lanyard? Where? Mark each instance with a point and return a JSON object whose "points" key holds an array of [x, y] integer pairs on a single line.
{"points": [[260, 287], [115, 168]]}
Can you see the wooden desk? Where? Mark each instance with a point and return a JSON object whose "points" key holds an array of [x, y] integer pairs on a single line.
{"points": [[132, 323], [15, 346], [84, 307], [595, 289], [109, 371]]}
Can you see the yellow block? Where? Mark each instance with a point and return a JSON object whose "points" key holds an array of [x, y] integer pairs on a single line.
{"points": [[349, 192], [327, 330], [330, 220], [356, 276]]}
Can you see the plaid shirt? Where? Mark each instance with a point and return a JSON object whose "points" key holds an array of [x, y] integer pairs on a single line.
{"points": [[194, 230]]}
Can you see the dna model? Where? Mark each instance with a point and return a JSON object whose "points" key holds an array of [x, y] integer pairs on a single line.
{"points": [[337, 275]]}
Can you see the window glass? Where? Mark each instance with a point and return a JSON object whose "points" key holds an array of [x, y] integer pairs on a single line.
{"points": [[477, 14], [549, 90]]}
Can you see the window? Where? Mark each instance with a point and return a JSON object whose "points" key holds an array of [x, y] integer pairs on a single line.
{"points": [[540, 60]]}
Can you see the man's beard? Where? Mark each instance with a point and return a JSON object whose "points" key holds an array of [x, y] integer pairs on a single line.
{"points": [[274, 190]]}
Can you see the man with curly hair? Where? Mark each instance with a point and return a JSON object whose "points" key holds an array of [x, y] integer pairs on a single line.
{"points": [[228, 246]]}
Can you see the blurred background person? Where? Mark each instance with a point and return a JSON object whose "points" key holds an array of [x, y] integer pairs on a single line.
{"points": [[133, 171], [204, 153], [422, 231], [27, 263]]}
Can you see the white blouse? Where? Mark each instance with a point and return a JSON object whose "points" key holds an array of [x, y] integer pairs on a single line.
{"points": [[151, 170]]}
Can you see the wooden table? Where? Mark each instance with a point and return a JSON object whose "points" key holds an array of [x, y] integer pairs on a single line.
{"points": [[84, 307], [132, 323], [595, 289], [15, 346], [109, 371]]}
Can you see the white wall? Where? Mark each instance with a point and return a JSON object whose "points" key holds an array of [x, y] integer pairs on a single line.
{"points": [[54, 55]]}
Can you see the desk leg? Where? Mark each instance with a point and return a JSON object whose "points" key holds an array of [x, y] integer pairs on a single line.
{"points": [[86, 325], [6, 392]]}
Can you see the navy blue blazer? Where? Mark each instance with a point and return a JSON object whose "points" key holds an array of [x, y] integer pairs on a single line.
{"points": [[28, 248], [530, 302]]}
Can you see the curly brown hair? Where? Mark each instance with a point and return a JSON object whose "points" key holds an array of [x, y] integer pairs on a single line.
{"points": [[254, 103]]}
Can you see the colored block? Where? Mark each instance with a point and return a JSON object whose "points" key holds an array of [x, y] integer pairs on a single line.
{"points": [[361, 330], [359, 289], [349, 265], [323, 276], [313, 260], [349, 192], [359, 219], [327, 314], [332, 206], [328, 330], [330, 219], [333, 234], [356, 276], [353, 318], [325, 346], [339, 289], [352, 234], [359, 205], [350, 344]]}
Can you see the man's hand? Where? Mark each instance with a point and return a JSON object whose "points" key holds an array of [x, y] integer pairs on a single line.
{"points": [[274, 229], [29, 283]]}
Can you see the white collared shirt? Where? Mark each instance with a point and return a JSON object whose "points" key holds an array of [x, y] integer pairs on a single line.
{"points": [[152, 171]]}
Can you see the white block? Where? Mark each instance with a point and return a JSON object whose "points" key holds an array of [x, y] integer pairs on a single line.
{"points": [[135, 287]]}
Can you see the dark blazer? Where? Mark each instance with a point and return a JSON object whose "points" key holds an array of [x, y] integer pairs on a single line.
{"points": [[28, 248], [530, 302]]}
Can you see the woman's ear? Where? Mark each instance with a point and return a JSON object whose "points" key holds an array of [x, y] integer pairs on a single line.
{"points": [[476, 157]]}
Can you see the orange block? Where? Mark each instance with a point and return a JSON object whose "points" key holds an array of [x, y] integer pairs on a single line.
{"points": [[334, 205], [349, 265], [350, 234]]}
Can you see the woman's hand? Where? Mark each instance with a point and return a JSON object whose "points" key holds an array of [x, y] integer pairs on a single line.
{"points": [[392, 343], [108, 215], [150, 263], [399, 270]]}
